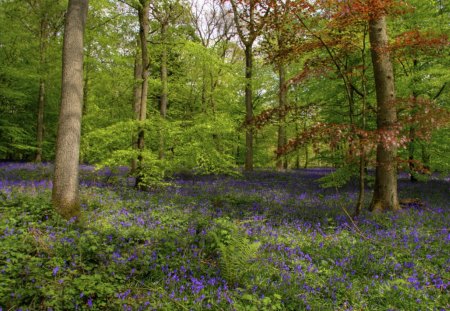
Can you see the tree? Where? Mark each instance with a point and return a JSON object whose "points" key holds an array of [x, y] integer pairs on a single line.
{"points": [[49, 15], [249, 21], [385, 192], [65, 195], [167, 13]]}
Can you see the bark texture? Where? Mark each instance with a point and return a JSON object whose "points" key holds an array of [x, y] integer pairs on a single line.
{"points": [[65, 195], [385, 193]]}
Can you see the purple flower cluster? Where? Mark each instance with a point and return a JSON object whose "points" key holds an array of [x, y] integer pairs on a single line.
{"points": [[154, 250]]}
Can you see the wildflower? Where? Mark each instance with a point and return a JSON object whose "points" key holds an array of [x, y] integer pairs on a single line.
{"points": [[55, 271]]}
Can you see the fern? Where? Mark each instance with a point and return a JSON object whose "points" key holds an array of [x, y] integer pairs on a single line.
{"points": [[237, 254]]}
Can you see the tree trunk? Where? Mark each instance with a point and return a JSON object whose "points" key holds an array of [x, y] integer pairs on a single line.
{"points": [[137, 94], [385, 193], [282, 100], [143, 32], [65, 196], [248, 108]]}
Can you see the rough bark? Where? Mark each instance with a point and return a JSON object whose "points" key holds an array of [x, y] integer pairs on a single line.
{"points": [[385, 192], [65, 195]]}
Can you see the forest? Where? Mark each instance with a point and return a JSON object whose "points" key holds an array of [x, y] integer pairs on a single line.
{"points": [[224, 155]]}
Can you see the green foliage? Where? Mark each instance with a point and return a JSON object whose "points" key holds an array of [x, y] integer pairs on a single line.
{"points": [[339, 177], [237, 252]]}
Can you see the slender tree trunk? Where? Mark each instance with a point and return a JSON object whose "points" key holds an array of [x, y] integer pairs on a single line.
{"points": [[137, 95], [143, 13], [143, 32], [385, 195], [282, 101], [248, 108], [65, 195]]}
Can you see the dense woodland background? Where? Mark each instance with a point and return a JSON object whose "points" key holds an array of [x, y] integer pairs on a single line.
{"points": [[197, 73]]}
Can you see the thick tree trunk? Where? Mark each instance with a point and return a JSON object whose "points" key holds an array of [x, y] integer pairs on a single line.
{"points": [[248, 108], [282, 101], [65, 195], [40, 121], [385, 193]]}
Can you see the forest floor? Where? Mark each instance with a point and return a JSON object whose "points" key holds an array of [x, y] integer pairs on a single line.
{"points": [[265, 241]]}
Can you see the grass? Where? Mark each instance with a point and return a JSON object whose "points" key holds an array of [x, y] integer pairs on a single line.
{"points": [[267, 241]]}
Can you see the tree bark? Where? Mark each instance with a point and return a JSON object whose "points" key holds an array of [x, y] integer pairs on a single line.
{"points": [[143, 32], [385, 195], [248, 108], [137, 95], [65, 194]]}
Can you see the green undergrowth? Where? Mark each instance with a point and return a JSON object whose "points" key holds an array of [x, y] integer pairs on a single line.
{"points": [[135, 251]]}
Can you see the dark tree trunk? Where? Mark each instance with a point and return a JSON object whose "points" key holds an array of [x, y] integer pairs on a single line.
{"points": [[65, 196], [385, 193], [137, 95]]}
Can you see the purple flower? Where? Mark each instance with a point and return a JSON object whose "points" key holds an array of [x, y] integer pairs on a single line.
{"points": [[55, 270]]}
